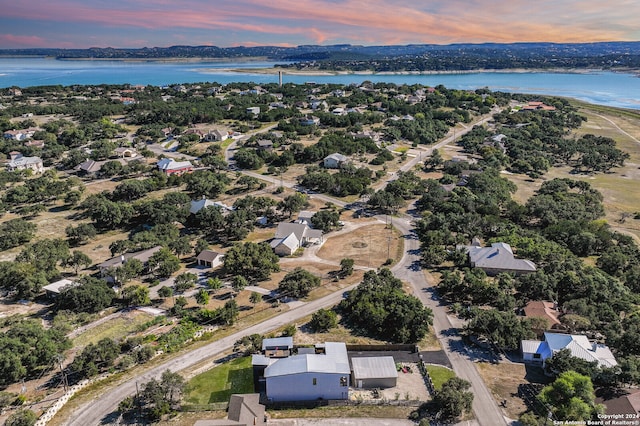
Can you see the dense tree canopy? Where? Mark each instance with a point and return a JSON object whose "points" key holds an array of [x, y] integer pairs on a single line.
{"points": [[380, 307]]}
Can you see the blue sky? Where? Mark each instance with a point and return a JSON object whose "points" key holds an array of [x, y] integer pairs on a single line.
{"points": [[139, 23]]}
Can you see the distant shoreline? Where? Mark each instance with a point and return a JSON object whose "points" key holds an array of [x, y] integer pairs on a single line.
{"points": [[320, 73], [324, 73]]}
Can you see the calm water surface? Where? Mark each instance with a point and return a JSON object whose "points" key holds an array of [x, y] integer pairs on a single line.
{"points": [[605, 88]]}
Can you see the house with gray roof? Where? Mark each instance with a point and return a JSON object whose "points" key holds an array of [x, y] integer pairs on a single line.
{"points": [[244, 410], [20, 162], [116, 262], [374, 372], [333, 161], [324, 374], [497, 259], [291, 236], [536, 351]]}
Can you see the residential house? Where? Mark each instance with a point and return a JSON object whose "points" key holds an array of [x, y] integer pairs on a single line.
{"points": [[548, 311], [197, 205], [169, 166], [323, 374], [497, 259], [304, 217], [20, 134], [333, 161], [536, 351], [54, 289], [265, 145], [20, 162], [291, 236], [625, 406], [254, 110], [244, 410], [209, 259], [216, 136], [310, 121], [92, 167], [126, 152], [117, 261], [35, 143]]}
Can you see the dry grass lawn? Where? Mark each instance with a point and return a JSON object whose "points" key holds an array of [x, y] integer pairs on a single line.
{"points": [[116, 328], [505, 378], [368, 246]]}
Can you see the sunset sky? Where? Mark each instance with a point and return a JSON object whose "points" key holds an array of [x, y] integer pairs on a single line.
{"points": [[161, 23]]}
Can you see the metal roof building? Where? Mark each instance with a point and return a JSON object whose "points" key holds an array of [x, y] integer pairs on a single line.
{"points": [[374, 372]]}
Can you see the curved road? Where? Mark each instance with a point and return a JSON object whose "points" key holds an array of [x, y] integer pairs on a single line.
{"points": [[485, 408]]}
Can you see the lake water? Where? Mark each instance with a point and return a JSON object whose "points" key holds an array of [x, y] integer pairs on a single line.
{"points": [[605, 88]]}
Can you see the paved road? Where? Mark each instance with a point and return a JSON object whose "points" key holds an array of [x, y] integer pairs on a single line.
{"points": [[485, 408]]}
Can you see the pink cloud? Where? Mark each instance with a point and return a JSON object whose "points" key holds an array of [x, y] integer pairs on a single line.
{"points": [[21, 41], [369, 21]]}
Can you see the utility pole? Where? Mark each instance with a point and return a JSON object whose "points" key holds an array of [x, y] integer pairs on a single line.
{"points": [[65, 383]]}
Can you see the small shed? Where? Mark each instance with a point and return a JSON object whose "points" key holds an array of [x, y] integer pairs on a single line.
{"points": [[374, 372], [209, 259]]}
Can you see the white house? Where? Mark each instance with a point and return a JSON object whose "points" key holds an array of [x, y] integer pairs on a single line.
{"points": [[497, 258], [169, 166], [197, 205], [54, 289], [536, 351], [20, 162], [323, 374], [209, 259], [291, 236], [333, 161]]}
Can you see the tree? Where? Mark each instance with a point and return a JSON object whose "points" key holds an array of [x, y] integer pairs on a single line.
{"points": [[434, 161], [323, 320], [381, 308], [325, 220], [298, 283], [346, 267], [185, 281], [181, 246], [238, 283], [571, 397], [165, 291], [249, 345], [90, 295], [255, 297], [77, 260], [454, 398], [136, 295], [80, 234], [293, 203], [22, 417], [214, 283], [254, 261], [562, 361], [163, 263], [16, 232], [45, 255], [202, 297]]}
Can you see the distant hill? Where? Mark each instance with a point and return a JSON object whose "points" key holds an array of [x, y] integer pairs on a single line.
{"points": [[379, 58]]}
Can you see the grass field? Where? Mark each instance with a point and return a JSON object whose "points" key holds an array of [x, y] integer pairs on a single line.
{"points": [[113, 329], [439, 375], [217, 384]]}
